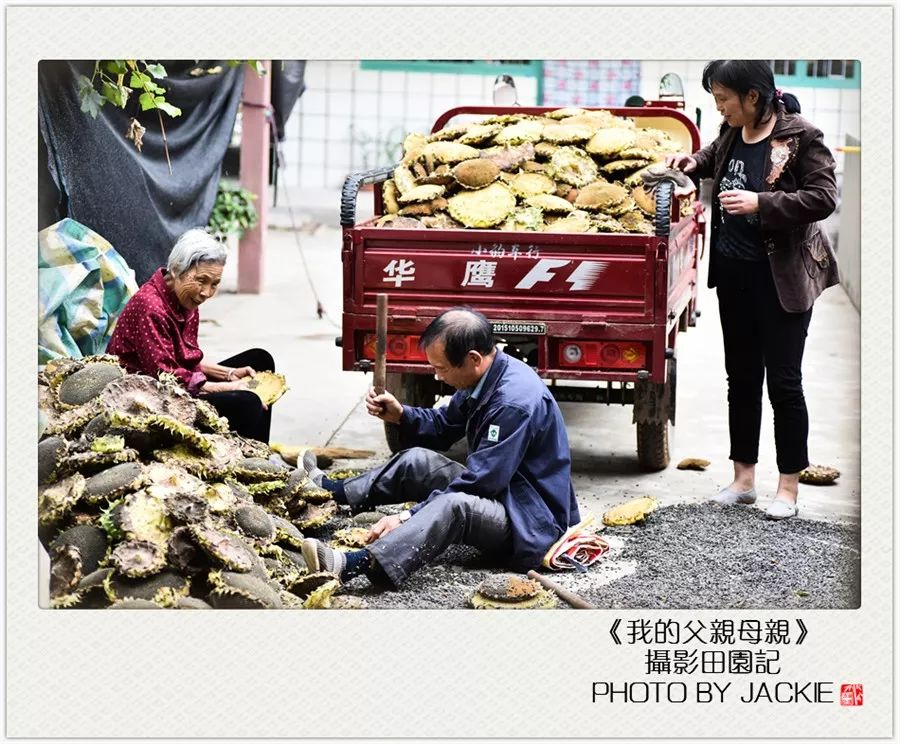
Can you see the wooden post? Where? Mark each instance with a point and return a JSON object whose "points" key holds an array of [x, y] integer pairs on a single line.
{"points": [[381, 312], [254, 174]]}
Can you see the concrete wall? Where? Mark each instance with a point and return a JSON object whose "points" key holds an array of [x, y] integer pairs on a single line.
{"points": [[833, 110], [850, 232], [351, 119]]}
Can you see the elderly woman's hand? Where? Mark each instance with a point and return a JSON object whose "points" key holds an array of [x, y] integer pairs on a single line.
{"points": [[238, 372], [224, 387]]}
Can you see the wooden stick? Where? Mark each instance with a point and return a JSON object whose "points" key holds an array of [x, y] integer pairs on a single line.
{"points": [[573, 599], [380, 375]]}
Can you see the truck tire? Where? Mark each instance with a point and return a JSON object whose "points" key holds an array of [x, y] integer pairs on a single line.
{"points": [[419, 391], [653, 445], [653, 436]]}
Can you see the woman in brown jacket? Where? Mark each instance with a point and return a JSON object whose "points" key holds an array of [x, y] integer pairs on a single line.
{"points": [[773, 180]]}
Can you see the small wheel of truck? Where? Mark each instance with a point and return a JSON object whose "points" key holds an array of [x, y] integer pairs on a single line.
{"points": [[654, 414]]}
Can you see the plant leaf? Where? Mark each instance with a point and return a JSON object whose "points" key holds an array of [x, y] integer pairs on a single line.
{"points": [[147, 101], [166, 107], [157, 70], [91, 100], [115, 66], [116, 94]]}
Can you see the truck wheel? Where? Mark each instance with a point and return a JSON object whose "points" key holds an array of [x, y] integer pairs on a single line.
{"points": [[653, 445], [419, 391], [653, 436]]}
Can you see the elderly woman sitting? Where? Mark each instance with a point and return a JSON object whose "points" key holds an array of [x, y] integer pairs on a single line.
{"points": [[157, 332]]}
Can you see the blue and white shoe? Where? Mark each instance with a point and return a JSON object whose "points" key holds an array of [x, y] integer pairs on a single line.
{"points": [[311, 466], [781, 509], [727, 497]]}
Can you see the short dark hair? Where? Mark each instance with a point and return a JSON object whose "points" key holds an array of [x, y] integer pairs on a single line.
{"points": [[744, 75], [462, 330]]}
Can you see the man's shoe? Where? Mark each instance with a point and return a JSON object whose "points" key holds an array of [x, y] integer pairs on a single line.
{"points": [[781, 509], [727, 497], [319, 557], [311, 466]]}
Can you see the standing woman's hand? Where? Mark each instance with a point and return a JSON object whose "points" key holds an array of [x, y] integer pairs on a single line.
{"points": [[738, 201], [682, 161]]}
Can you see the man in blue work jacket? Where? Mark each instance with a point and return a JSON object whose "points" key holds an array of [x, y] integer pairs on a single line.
{"points": [[513, 498]]}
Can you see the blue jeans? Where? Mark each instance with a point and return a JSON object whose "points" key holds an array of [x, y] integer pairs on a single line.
{"points": [[447, 518]]}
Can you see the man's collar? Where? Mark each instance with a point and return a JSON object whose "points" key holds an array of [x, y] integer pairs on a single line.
{"points": [[479, 387], [476, 391]]}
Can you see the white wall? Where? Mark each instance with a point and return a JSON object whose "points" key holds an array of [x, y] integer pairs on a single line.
{"points": [[350, 120], [833, 110]]}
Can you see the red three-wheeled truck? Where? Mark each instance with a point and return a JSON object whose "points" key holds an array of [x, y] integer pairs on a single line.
{"points": [[597, 315]]}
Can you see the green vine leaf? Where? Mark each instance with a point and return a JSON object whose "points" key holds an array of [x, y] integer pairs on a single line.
{"points": [[91, 100], [147, 101], [116, 66], [116, 94], [167, 108], [157, 70], [139, 80]]}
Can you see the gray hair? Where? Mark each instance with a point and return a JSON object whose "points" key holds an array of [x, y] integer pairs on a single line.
{"points": [[193, 247]]}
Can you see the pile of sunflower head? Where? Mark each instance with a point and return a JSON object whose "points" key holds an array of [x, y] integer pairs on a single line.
{"points": [[146, 498], [571, 170]]}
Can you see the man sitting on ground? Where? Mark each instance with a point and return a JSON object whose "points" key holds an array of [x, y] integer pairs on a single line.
{"points": [[513, 498]]}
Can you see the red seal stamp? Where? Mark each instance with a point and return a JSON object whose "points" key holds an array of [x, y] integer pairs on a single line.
{"points": [[851, 694]]}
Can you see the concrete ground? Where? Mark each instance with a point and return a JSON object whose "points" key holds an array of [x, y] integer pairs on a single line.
{"points": [[324, 403]]}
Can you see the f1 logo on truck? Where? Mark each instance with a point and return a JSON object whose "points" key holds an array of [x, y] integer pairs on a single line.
{"points": [[584, 276]]}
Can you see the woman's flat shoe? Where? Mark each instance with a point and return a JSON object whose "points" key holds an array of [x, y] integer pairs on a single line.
{"points": [[727, 497], [781, 509]]}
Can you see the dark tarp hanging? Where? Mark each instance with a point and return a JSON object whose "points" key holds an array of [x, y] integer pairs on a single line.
{"points": [[287, 87], [127, 196]]}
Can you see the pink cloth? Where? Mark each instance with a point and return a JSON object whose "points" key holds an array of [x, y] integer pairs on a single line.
{"points": [[156, 334]]}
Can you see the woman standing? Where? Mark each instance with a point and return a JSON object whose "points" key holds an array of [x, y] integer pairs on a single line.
{"points": [[773, 180], [157, 332]]}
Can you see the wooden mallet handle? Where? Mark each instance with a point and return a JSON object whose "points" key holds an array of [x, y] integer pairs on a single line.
{"points": [[573, 599], [380, 374]]}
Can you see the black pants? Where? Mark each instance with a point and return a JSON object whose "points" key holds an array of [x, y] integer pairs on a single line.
{"points": [[762, 340], [243, 409]]}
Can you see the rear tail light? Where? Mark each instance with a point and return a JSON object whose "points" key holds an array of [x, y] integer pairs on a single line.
{"points": [[603, 354], [399, 348]]}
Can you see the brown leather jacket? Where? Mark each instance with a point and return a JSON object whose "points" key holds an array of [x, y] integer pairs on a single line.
{"points": [[801, 191]]}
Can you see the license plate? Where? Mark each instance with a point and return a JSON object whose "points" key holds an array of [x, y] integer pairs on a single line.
{"points": [[508, 326]]}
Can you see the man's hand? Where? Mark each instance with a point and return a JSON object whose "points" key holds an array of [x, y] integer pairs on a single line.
{"points": [[682, 161], [384, 406], [383, 526], [737, 201]]}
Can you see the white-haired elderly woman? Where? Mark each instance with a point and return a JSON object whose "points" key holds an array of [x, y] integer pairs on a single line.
{"points": [[157, 332]]}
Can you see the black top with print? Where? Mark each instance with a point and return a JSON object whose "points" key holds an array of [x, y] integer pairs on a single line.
{"points": [[739, 235]]}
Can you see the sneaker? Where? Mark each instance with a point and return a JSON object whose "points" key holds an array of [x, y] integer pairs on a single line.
{"points": [[727, 497], [319, 557], [311, 466], [277, 459], [781, 509]]}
